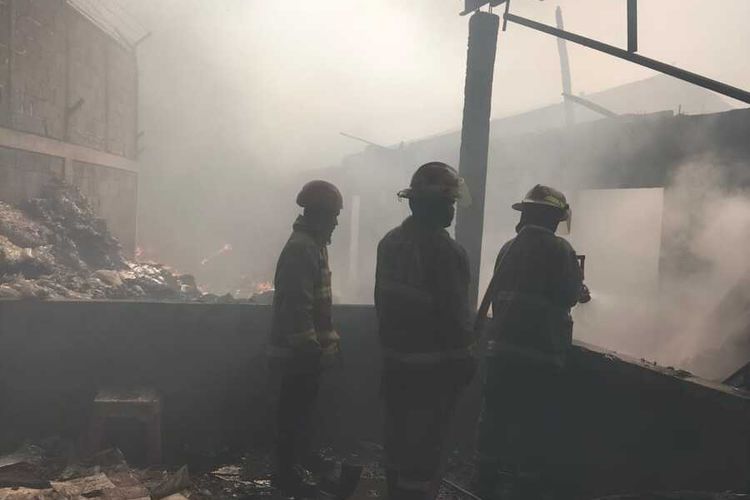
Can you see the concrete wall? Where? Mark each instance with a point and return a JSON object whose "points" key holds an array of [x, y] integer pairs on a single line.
{"points": [[624, 425], [112, 192], [38, 67], [206, 360], [24, 173], [57, 57], [63, 79], [5, 51], [122, 84], [87, 79]]}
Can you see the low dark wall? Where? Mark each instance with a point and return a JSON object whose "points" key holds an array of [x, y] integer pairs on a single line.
{"points": [[207, 361], [625, 425]]}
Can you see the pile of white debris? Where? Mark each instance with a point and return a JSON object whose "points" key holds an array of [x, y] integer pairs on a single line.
{"points": [[55, 248]]}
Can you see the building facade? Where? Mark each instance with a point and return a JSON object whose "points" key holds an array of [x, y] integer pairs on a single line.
{"points": [[68, 108]]}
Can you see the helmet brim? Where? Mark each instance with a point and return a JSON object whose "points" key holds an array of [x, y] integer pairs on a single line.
{"points": [[564, 213], [460, 195], [405, 194]]}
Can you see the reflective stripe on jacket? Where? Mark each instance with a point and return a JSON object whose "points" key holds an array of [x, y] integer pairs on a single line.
{"points": [[302, 297]]}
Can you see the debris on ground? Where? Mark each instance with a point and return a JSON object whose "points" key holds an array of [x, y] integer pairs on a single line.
{"points": [[31, 466], [23, 474], [357, 474], [91, 486], [105, 475], [173, 484], [55, 248], [257, 292], [680, 495]]}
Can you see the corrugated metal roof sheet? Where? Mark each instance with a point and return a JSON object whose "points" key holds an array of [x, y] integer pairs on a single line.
{"points": [[112, 18]]}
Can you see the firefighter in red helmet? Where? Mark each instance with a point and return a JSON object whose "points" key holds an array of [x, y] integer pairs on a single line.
{"points": [[303, 340]]}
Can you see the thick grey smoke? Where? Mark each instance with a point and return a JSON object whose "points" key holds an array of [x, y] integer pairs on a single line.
{"points": [[707, 231], [620, 232], [242, 101], [241, 97], [670, 288]]}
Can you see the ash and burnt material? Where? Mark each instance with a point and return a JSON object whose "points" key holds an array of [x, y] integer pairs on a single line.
{"points": [[77, 235], [55, 247]]}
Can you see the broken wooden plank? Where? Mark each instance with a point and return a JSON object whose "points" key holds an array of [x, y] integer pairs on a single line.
{"points": [[83, 486]]}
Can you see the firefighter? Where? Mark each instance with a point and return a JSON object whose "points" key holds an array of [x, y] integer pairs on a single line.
{"points": [[422, 303], [537, 280], [303, 340]]}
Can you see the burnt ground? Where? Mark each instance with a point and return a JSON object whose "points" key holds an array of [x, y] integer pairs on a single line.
{"points": [[51, 470]]}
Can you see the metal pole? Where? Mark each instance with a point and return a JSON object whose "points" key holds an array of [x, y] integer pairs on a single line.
{"points": [[590, 105], [354, 137], [667, 69], [632, 25], [562, 50], [475, 134]]}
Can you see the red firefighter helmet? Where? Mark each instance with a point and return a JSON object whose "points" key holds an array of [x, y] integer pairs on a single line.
{"points": [[320, 195]]}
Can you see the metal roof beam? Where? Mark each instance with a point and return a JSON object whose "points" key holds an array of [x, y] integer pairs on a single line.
{"points": [[667, 69]]}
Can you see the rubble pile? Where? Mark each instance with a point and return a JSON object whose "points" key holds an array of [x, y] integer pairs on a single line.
{"points": [[34, 472], [53, 470], [55, 248]]}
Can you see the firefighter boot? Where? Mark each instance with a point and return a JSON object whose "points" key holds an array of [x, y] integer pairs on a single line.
{"points": [[295, 482], [391, 479]]}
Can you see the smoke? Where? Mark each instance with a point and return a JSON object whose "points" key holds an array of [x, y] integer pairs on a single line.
{"points": [[240, 100], [620, 232], [679, 295], [707, 233]]}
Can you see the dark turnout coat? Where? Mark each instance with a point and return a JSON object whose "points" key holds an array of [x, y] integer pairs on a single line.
{"points": [[421, 296], [537, 281], [302, 297]]}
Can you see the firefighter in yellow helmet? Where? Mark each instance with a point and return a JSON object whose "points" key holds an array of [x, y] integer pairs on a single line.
{"points": [[303, 340], [422, 302], [537, 280]]}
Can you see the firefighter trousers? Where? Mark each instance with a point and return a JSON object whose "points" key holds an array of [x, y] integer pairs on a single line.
{"points": [[294, 418], [419, 407], [521, 415]]}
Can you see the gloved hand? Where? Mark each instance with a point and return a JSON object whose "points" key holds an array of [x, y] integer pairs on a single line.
{"points": [[305, 343], [327, 338], [330, 343]]}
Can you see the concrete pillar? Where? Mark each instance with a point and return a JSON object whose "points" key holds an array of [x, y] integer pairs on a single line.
{"points": [[480, 65]]}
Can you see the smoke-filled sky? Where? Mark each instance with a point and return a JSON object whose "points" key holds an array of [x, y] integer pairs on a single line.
{"points": [[279, 80], [238, 94]]}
